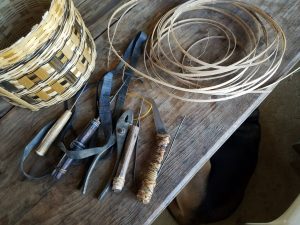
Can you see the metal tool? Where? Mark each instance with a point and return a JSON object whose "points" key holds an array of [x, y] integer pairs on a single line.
{"points": [[78, 144], [162, 140], [171, 147], [121, 132], [119, 180], [56, 129]]}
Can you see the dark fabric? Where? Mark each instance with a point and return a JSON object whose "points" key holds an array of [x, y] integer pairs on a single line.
{"points": [[231, 169], [75, 154]]}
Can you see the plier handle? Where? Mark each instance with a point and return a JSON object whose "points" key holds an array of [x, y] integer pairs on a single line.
{"points": [[119, 135]]}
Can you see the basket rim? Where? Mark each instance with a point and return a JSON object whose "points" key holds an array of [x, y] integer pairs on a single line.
{"points": [[33, 54], [35, 27]]}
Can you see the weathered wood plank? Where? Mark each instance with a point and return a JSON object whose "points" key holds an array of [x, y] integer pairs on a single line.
{"points": [[96, 13], [206, 127], [5, 107]]}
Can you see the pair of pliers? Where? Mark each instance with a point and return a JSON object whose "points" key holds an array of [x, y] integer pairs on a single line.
{"points": [[120, 133]]}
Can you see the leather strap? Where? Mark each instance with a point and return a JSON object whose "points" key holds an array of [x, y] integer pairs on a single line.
{"points": [[28, 149], [131, 55], [103, 102], [40, 135]]}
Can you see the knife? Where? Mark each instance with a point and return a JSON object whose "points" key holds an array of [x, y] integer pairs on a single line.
{"points": [[162, 141]]}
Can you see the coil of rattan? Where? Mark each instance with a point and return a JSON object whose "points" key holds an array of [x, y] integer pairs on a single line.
{"points": [[46, 52], [209, 51]]}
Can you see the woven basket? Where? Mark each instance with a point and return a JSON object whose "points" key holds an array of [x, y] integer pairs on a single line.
{"points": [[46, 52]]}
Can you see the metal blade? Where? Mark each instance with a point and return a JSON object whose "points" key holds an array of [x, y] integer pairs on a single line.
{"points": [[160, 127]]}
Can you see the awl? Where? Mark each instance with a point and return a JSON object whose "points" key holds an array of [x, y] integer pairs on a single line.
{"points": [[56, 129]]}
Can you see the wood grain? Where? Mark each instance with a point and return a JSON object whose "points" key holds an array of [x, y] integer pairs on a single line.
{"points": [[5, 107], [96, 13], [206, 128]]}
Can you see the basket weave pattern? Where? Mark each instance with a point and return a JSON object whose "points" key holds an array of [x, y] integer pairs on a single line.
{"points": [[52, 62]]}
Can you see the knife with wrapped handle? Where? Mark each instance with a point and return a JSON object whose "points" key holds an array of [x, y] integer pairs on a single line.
{"points": [[162, 141]]}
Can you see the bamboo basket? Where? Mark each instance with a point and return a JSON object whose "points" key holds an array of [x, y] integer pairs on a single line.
{"points": [[46, 52]]}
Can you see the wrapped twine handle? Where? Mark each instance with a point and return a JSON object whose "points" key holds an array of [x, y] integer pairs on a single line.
{"points": [[149, 182]]}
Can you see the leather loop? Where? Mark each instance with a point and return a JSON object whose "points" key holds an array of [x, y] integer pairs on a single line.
{"points": [[28, 149]]}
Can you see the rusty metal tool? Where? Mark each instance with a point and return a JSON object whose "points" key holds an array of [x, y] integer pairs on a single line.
{"points": [[162, 140], [78, 144], [121, 131], [56, 128], [119, 180]]}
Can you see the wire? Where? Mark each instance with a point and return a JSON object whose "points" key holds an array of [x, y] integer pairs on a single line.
{"points": [[78, 97], [171, 147], [145, 114]]}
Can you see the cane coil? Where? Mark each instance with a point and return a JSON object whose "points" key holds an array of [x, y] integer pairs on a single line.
{"points": [[46, 52], [209, 51]]}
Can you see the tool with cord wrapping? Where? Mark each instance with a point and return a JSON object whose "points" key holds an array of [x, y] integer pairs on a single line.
{"points": [[162, 140]]}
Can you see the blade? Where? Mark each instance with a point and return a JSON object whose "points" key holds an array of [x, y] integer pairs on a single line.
{"points": [[160, 127]]}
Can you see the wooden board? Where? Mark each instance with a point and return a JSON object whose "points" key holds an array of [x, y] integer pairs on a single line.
{"points": [[206, 128], [96, 14]]}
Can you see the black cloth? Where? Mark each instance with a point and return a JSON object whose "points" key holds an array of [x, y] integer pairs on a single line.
{"points": [[231, 169]]}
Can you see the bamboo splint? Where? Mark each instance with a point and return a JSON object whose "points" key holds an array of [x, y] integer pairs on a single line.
{"points": [[46, 52]]}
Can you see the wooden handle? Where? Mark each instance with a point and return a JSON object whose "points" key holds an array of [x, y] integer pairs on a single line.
{"points": [[119, 180], [148, 184], [53, 133]]}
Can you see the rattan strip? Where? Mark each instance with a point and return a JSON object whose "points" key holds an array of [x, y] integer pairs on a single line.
{"points": [[55, 71], [37, 37], [201, 81]]}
